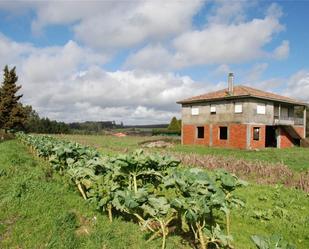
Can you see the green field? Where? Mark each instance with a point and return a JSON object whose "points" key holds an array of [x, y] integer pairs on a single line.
{"points": [[295, 158], [38, 209]]}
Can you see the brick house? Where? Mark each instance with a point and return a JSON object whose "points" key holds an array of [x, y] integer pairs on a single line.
{"points": [[243, 117]]}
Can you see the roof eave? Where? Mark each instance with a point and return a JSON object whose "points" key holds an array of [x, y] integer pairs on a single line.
{"points": [[211, 100], [240, 97]]}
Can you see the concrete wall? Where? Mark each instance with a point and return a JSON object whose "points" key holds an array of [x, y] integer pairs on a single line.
{"points": [[225, 113]]}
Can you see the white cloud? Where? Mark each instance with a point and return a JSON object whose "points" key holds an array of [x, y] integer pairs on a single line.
{"points": [[118, 24], [55, 63], [130, 96], [151, 57], [282, 51], [219, 42], [11, 51], [295, 86], [298, 85], [111, 24], [68, 83], [68, 12], [226, 12]]}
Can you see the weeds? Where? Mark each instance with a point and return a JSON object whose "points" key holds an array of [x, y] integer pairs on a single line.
{"points": [[259, 172]]}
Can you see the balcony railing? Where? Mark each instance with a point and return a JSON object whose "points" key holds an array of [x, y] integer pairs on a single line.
{"points": [[288, 121]]}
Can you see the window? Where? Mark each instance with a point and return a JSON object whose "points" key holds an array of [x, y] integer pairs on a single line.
{"points": [[238, 107], [212, 109], [256, 133], [194, 111], [261, 109], [200, 132], [223, 133]]}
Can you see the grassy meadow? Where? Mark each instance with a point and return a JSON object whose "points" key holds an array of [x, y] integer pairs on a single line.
{"points": [[295, 158], [39, 209]]}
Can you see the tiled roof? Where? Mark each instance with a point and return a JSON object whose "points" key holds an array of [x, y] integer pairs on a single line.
{"points": [[239, 91]]}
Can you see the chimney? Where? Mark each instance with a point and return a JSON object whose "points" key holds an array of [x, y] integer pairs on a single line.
{"points": [[230, 81]]}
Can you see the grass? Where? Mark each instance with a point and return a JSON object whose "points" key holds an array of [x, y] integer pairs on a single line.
{"points": [[39, 210], [269, 211], [295, 158], [106, 143]]}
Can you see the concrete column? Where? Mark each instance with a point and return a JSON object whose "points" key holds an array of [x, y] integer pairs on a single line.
{"points": [[279, 137], [210, 135], [248, 136], [305, 119], [279, 112], [181, 132]]}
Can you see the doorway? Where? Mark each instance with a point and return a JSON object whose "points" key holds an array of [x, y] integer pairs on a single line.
{"points": [[271, 136]]}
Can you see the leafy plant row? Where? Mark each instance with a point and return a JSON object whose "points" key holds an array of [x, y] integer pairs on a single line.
{"points": [[150, 189]]}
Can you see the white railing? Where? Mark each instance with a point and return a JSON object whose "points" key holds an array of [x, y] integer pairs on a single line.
{"points": [[299, 121], [288, 121]]}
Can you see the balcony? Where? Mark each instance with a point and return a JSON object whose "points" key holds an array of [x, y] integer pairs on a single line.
{"points": [[288, 121]]}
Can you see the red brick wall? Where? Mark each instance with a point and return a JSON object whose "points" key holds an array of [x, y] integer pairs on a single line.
{"points": [[299, 130], [206, 135], [190, 136], [285, 139], [254, 144], [188, 133], [216, 139], [237, 136]]}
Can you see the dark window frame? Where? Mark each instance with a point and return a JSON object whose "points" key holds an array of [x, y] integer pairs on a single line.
{"points": [[223, 133], [256, 136], [200, 132]]}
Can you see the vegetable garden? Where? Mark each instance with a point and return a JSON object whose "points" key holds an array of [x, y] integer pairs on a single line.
{"points": [[154, 191]]}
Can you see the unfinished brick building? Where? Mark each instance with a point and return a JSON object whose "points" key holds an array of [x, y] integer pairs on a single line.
{"points": [[243, 117]]}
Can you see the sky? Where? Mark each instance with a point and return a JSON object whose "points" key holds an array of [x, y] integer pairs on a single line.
{"points": [[130, 61]]}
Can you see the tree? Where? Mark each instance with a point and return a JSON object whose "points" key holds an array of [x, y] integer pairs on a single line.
{"points": [[33, 119], [174, 125], [12, 113]]}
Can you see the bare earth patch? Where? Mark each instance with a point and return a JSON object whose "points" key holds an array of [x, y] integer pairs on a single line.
{"points": [[158, 144]]}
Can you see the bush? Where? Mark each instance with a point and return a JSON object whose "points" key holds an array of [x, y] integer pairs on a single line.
{"points": [[5, 136], [165, 132]]}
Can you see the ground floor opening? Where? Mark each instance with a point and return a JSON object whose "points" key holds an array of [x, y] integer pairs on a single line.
{"points": [[271, 136]]}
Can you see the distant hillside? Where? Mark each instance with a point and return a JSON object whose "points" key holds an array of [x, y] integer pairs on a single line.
{"points": [[149, 126]]}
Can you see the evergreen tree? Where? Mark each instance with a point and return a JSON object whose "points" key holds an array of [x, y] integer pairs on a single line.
{"points": [[12, 114], [174, 125]]}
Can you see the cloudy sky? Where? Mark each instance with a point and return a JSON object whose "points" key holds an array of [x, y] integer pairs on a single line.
{"points": [[130, 61]]}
